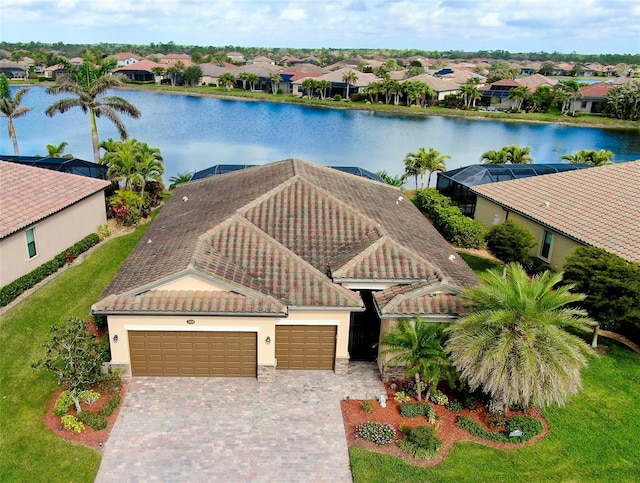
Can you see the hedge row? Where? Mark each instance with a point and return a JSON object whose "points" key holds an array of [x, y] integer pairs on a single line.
{"points": [[10, 292], [449, 220]]}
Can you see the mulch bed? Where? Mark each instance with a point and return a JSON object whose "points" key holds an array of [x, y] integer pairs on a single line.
{"points": [[353, 415]]}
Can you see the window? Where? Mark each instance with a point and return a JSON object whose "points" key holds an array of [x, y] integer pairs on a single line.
{"points": [[31, 243], [545, 250]]}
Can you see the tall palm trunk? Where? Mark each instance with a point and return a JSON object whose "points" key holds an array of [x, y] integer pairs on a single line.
{"points": [[418, 387], [94, 137], [14, 137]]}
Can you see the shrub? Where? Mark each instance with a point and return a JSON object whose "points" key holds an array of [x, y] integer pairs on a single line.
{"points": [[337, 97], [534, 265], [510, 241], [439, 397], [379, 433], [421, 442], [63, 403], [529, 426], [497, 419], [10, 292], [70, 423], [92, 420], [126, 207], [414, 410], [88, 396], [105, 349], [110, 382], [103, 231], [367, 406], [401, 397], [455, 406], [110, 406]]}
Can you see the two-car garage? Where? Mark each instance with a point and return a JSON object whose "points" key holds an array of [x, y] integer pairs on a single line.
{"points": [[228, 354]]}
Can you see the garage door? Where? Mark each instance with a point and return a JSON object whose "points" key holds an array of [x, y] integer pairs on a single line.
{"points": [[305, 346], [177, 353]]}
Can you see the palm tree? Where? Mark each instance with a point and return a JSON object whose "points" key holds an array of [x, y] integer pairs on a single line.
{"points": [[89, 85], [252, 79], [149, 165], [57, 150], [322, 87], [227, 81], [418, 345], [180, 178], [10, 108], [132, 162], [511, 343], [587, 156], [275, 79], [518, 155], [349, 77], [434, 161], [572, 89], [412, 167], [517, 96], [390, 180], [309, 86], [158, 72], [494, 157]]}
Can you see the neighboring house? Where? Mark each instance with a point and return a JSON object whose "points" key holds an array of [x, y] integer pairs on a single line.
{"points": [[141, 71], [65, 165], [497, 93], [42, 213], [289, 265], [170, 60], [126, 58], [338, 86], [236, 57], [442, 87], [13, 70], [534, 81], [592, 98], [212, 71], [53, 71], [597, 207], [263, 70]]}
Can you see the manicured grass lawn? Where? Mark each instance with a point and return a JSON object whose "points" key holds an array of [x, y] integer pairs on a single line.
{"points": [[28, 450], [479, 264], [595, 437]]}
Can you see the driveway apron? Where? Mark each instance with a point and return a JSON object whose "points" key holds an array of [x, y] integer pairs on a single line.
{"points": [[236, 429]]}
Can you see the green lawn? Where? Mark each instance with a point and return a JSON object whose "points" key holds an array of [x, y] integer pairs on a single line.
{"points": [[596, 437], [479, 264], [28, 451]]}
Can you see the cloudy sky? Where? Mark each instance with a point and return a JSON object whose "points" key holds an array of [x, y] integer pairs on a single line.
{"points": [[582, 26]]}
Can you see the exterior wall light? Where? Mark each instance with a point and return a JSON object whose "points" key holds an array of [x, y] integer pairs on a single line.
{"points": [[191, 321], [115, 338], [268, 340]]}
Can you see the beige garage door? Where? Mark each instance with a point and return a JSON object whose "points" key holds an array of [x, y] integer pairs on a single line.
{"points": [[177, 353], [305, 346]]}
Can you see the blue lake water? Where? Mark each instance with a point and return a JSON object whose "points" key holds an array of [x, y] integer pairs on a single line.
{"points": [[194, 133]]}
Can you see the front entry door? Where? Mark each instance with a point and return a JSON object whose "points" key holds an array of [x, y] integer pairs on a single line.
{"points": [[364, 333]]}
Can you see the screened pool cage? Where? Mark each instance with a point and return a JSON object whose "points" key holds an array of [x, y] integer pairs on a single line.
{"points": [[65, 165]]}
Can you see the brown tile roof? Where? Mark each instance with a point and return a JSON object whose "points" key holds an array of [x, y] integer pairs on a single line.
{"points": [[29, 194], [281, 229], [189, 301], [597, 90], [425, 297], [598, 206]]}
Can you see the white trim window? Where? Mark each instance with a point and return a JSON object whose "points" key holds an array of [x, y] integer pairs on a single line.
{"points": [[545, 246], [32, 249]]}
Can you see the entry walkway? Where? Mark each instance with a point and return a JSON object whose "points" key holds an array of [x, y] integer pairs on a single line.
{"points": [[236, 429]]}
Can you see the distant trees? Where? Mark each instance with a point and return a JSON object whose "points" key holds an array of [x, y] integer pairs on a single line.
{"points": [[589, 156], [192, 75], [57, 150], [11, 109]]}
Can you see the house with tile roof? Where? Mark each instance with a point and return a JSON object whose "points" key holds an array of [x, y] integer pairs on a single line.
{"points": [[289, 265], [42, 213], [141, 71], [597, 207], [592, 98]]}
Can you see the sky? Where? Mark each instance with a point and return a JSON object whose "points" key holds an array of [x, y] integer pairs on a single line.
{"points": [[566, 26]]}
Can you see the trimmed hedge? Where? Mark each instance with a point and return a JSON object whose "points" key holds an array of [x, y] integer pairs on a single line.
{"points": [[12, 291], [110, 406], [449, 220], [421, 442], [92, 420], [415, 410]]}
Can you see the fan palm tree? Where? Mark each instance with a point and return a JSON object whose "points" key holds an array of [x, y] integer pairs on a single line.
{"points": [[349, 77], [418, 345], [89, 84], [11, 109], [57, 150], [587, 156], [512, 343]]}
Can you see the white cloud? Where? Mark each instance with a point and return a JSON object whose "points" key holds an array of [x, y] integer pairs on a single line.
{"points": [[291, 14]]}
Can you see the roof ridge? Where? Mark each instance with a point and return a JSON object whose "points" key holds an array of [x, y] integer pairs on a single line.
{"points": [[362, 254]]}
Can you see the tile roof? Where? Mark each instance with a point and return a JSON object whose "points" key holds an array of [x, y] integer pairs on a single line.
{"points": [[597, 90], [283, 230], [190, 301], [29, 194], [426, 297], [598, 206]]}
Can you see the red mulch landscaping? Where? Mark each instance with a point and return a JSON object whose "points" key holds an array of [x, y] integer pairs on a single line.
{"points": [[353, 415]]}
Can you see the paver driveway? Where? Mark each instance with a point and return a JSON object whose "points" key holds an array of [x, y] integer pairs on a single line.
{"points": [[236, 429]]}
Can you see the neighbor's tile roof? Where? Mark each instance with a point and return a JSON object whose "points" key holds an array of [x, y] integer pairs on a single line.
{"points": [[598, 206], [29, 194], [284, 230], [597, 90], [425, 297]]}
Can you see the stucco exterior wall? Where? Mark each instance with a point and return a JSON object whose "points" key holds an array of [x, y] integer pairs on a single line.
{"points": [[191, 282], [264, 327], [52, 235], [489, 214]]}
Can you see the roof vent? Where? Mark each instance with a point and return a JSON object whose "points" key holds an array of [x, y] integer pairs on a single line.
{"points": [[545, 204], [184, 198]]}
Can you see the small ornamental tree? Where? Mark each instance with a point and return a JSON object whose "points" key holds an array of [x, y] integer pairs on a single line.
{"points": [[612, 287], [73, 355], [510, 241]]}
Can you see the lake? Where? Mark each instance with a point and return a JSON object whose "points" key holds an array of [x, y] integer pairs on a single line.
{"points": [[194, 133]]}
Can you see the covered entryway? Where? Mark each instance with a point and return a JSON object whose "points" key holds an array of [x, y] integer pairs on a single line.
{"points": [[180, 353], [364, 331], [306, 346]]}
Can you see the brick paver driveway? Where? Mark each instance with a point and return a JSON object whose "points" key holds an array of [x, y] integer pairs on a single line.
{"points": [[236, 429]]}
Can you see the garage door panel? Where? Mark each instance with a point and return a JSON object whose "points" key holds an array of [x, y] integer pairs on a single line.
{"points": [[178, 353], [305, 346]]}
